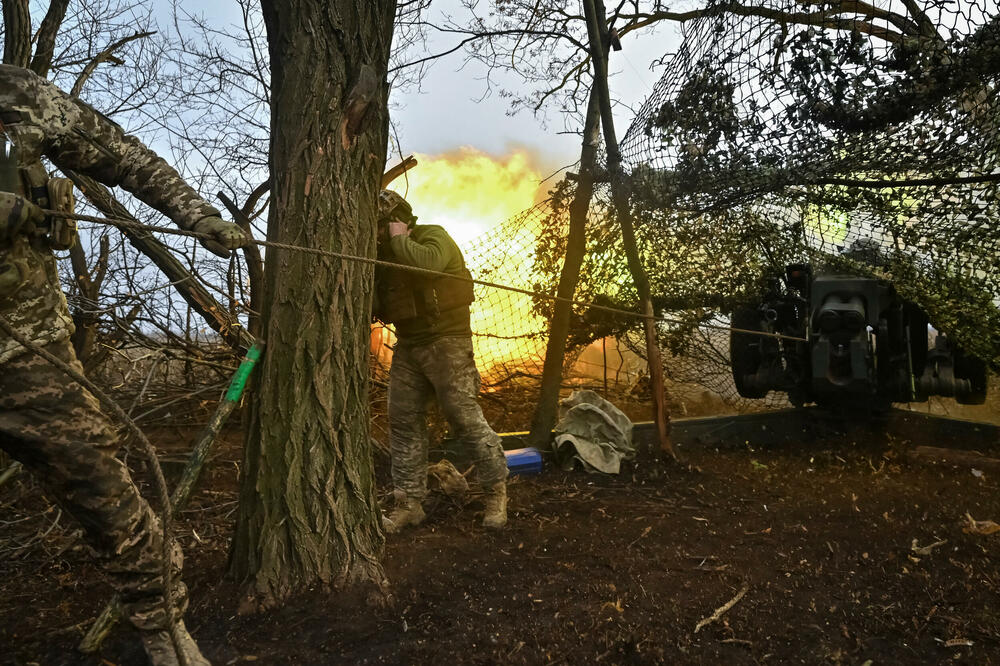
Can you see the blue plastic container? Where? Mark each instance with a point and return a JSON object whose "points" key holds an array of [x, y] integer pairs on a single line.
{"points": [[524, 462]]}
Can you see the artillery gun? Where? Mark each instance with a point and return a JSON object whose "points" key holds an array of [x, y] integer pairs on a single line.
{"points": [[857, 343]]}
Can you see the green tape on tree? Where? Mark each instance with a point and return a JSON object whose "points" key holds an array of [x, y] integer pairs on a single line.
{"points": [[243, 373]]}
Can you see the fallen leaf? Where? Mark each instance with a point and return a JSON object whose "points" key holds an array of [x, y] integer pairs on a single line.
{"points": [[984, 527], [925, 550], [617, 605]]}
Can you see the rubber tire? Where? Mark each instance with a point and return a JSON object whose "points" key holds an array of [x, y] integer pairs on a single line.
{"points": [[744, 356], [973, 369]]}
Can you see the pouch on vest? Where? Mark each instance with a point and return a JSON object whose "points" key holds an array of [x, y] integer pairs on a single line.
{"points": [[17, 213], [394, 297], [62, 230]]}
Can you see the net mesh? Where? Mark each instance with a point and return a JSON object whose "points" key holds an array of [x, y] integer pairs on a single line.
{"points": [[860, 136], [778, 135]]}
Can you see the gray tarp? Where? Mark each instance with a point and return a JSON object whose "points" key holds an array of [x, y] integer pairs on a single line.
{"points": [[593, 431]]}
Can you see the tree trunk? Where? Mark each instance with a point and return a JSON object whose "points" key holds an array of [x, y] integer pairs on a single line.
{"points": [[308, 514], [89, 286], [546, 410], [17, 33]]}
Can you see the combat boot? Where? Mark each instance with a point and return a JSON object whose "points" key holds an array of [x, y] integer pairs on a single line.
{"points": [[495, 516], [408, 512], [161, 650]]}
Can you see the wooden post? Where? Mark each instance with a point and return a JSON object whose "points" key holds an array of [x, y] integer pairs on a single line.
{"points": [[604, 359], [10, 472], [597, 33], [547, 407], [204, 445]]}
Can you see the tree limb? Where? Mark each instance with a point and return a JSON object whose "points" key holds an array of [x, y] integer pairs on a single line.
{"points": [[824, 19], [398, 170], [46, 39], [106, 55]]}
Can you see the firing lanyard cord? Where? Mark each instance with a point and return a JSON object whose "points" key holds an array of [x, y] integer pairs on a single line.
{"points": [[169, 600], [131, 224]]}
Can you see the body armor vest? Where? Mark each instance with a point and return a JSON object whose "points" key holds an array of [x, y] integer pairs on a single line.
{"points": [[402, 295]]}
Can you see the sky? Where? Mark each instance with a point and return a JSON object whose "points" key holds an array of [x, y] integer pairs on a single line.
{"points": [[448, 114]]}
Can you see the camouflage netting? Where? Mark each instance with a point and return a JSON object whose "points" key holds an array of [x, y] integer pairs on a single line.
{"points": [[839, 133], [765, 142]]}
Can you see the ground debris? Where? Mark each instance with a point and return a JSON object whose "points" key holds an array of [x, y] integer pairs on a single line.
{"points": [[984, 527], [926, 550], [722, 610], [445, 476]]}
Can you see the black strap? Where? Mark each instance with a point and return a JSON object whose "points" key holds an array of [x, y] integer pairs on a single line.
{"points": [[40, 196]]}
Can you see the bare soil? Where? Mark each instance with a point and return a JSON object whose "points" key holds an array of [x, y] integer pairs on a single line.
{"points": [[824, 536]]}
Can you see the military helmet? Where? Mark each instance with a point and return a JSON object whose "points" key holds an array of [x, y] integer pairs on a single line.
{"points": [[391, 204]]}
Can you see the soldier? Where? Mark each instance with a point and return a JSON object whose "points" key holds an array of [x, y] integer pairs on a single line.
{"points": [[433, 358], [48, 422]]}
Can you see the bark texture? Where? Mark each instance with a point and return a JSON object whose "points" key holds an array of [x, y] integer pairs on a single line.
{"points": [[17, 33], [308, 514], [46, 39]]}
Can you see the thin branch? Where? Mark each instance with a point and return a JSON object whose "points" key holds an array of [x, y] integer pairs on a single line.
{"points": [[722, 610], [486, 35], [104, 56], [824, 19]]}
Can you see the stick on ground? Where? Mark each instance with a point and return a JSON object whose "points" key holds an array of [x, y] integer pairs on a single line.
{"points": [[722, 610]]}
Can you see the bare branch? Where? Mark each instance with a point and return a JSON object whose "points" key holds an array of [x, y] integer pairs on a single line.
{"points": [[830, 18], [104, 56]]}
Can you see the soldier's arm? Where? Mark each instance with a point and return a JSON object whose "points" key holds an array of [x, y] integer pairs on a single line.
{"points": [[433, 250], [80, 138]]}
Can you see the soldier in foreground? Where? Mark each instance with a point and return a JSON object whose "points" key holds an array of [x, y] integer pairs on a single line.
{"points": [[48, 422], [433, 357]]}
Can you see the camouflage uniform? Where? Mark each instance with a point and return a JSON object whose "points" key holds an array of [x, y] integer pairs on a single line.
{"points": [[445, 369], [48, 422], [434, 358]]}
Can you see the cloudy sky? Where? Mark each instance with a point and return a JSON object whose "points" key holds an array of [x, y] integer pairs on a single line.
{"points": [[448, 112]]}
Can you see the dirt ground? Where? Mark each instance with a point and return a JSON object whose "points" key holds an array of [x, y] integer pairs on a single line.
{"points": [[842, 552]]}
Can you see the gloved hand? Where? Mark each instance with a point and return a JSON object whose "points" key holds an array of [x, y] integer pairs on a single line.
{"points": [[226, 236], [18, 216]]}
